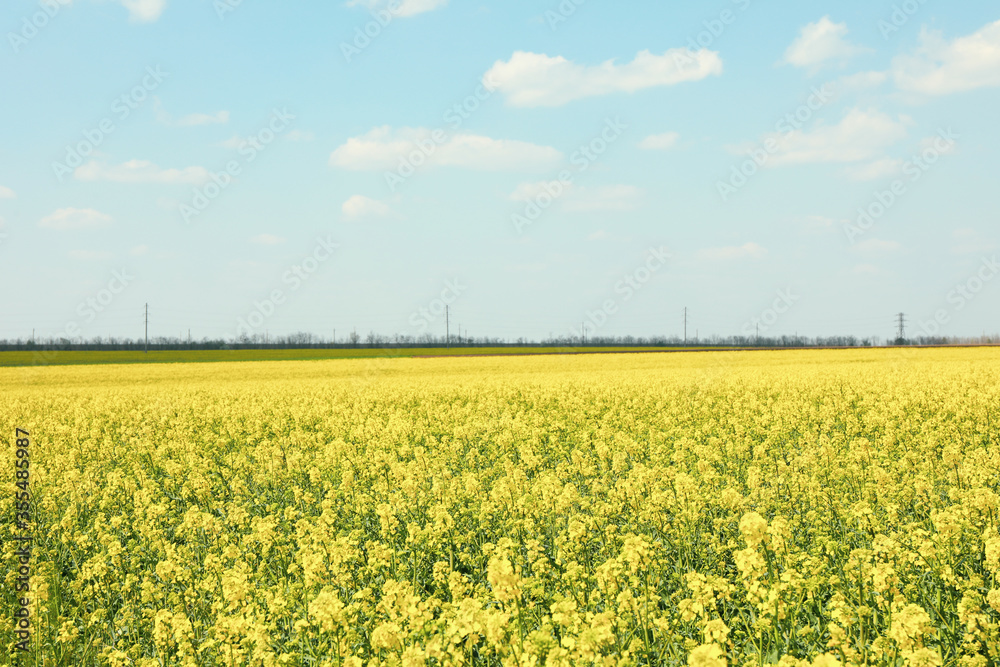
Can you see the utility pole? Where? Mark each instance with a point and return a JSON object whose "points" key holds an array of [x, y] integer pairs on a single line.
{"points": [[447, 326], [145, 349], [758, 333], [902, 328], [685, 325]]}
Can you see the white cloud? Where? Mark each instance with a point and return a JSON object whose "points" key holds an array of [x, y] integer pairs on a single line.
{"points": [[359, 206], [75, 218], [139, 250], [936, 144], [267, 239], [746, 251], [139, 11], [886, 167], [526, 192], [403, 9], [867, 270], [190, 120], [7, 193], [232, 143], [538, 80], [861, 81], [168, 203], [939, 67], [860, 135], [968, 241], [604, 198], [140, 171], [90, 255], [220, 117], [528, 267], [144, 11], [581, 199], [599, 235], [820, 42], [819, 223], [659, 142], [873, 171], [877, 246], [299, 135], [383, 148]]}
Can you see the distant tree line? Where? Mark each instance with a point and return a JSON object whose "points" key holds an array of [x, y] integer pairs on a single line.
{"points": [[304, 340]]}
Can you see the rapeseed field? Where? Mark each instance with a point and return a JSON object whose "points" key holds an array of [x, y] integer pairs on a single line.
{"points": [[727, 508]]}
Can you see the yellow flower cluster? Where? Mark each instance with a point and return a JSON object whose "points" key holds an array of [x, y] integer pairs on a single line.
{"points": [[804, 509]]}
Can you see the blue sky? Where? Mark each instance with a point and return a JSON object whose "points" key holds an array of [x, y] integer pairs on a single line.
{"points": [[252, 166]]}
